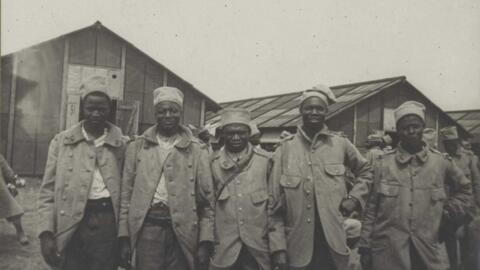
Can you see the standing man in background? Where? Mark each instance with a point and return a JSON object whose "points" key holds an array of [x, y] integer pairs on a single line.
{"points": [[468, 233], [80, 194], [310, 202], [167, 204]]}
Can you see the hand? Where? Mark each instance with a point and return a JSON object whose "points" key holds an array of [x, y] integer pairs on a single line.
{"points": [[49, 249], [20, 182], [13, 189], [365, 258], [124, 253], [279, 260], [204, 253], [348, 206], [352, 227], [447, 227]]}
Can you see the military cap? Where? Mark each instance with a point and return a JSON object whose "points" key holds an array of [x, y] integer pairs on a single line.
{"points": [[235, 116], [430, 136], [449, 133], [254, 129], [321, 91], [408, 108], [94, 84], [168, 93]]}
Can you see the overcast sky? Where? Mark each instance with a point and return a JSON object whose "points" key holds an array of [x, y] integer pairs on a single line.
{"points": [[248, 48]]}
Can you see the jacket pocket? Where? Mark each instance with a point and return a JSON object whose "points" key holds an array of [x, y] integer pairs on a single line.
{"points": [[388, 190], [259, 196], [438, 194], [290, 181], [335, 169]]}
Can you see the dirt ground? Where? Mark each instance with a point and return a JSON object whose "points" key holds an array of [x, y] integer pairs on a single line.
{"points": [[14, 256]]}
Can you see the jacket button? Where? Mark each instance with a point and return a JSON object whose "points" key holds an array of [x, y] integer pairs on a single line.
{"points": [[62, 212], [194, 209], [310, 163], [239, 195], [309, 206], [70, 169], [195, 223], [189, 165], [192, 193], [191, 179], [241, 222], [308, 192], [309, 220], [239, 209]]}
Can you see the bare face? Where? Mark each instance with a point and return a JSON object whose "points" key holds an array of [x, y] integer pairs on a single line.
{"points": [[314, 111], [410, 130], [96, 109], [168, 116], [236, 137]]}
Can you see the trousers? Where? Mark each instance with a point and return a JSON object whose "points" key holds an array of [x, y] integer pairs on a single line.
{"points": [[94, 244], [157, 246]]}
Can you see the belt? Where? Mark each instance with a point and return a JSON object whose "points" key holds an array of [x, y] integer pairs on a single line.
{"points": [[159, 215], [99, 205]]}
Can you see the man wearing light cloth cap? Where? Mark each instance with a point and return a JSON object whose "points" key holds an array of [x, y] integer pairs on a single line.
{"points": [[374, 145], [79, 198], [430, 137], [240, 172], [166, 215], [467, 162], [408, 209], [310, 200]]}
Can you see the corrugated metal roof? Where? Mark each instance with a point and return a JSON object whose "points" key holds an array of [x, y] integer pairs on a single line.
{"points": [[282, 110], [470, 120]]}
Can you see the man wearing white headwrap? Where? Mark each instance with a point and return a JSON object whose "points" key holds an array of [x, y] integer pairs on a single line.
{"points": [[310, 201], [167, 206]]}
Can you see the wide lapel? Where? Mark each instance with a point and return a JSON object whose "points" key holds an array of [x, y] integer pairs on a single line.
{"points": [[151, 157]]}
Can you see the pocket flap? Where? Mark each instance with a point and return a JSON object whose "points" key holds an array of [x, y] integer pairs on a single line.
{"points": [[388, 190], [290, 181], [224, 195], [335, 169], [438, 194], [259, 196]]}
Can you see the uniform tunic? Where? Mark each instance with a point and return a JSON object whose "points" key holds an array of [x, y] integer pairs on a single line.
{"points": [[404, 210], [308, 179], [241, 209]]}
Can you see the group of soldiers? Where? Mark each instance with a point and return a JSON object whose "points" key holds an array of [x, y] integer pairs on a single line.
{"points": [[164, 201]]}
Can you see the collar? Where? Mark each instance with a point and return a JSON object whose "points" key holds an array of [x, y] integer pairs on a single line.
{"points": [[186, 136], [75, 135], [227, 163], [404, 157], [323, 132]]}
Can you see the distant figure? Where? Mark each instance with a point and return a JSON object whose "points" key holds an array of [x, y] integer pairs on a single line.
{"points": [[374, 145], [469, 233], [255, 135], [9, 208], [204, 136], [430, 138]]}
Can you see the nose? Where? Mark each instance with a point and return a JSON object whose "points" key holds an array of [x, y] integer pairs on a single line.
{"points": [[235, 137], [168, 113]]}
